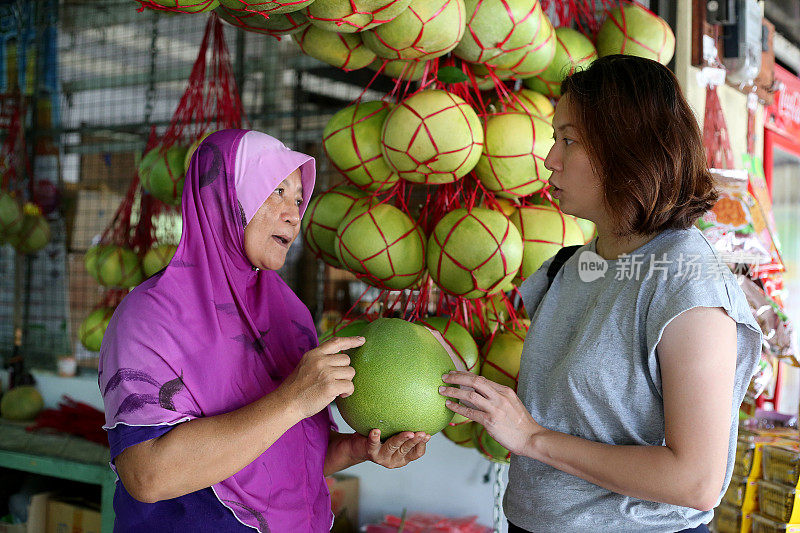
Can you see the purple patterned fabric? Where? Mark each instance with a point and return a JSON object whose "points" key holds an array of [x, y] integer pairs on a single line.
{"points": [[209, 335]]}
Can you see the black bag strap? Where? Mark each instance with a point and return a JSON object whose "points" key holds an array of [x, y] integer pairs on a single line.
{"points": [[558, 261]]}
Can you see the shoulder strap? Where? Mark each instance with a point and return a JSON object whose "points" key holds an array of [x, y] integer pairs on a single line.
{"points": [[558, 261]]}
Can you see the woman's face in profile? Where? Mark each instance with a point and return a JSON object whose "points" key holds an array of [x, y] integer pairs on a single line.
{"points": [[275, 225], [573, 182]]}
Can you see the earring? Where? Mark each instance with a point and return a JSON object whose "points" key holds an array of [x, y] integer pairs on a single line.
{"points": [[256, 269]]}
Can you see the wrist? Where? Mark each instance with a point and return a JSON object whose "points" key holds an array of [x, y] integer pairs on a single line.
{"points": [[535, 445]]}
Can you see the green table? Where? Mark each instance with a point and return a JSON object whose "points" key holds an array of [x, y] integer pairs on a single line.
{"points": [[62, 456]]}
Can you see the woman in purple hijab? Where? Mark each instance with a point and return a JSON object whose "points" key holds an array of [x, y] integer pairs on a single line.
{"points": [[216, 393]]}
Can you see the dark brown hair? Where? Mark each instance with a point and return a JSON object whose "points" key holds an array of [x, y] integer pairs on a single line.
{"points": [[643, 142]]}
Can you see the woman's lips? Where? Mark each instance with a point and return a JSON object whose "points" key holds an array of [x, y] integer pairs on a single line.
{"points": [[281, 240]]}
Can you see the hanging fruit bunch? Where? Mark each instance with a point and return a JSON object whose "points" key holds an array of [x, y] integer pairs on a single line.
{"points": [[23, 224], [445, 207], [460, 133], [129, 250]]}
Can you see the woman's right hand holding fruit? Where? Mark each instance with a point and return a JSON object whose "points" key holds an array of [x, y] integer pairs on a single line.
{"points": [[321, 375]]}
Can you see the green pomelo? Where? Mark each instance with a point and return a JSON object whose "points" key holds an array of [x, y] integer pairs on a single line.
{"points": [[345, 328], [189, 6], [490, 448], [342, 50], [474, 253], [424, 30], [33, 236], [157, 258], [94, 327], [432, 137], [498, 27], [355, 15], [636, 31], [276, 25], [163, 174], [21, 403], [545, 230], [574, 51], [501, 358], [192, 147], [381, 243], [587, 228], [514, 148], [90, 260], [10, 215], [530, 102], [352, 140], [399, 371], [525, 61], [462, 433], [119, 267], [534, 60], [400, 69], [458, 338], [324, 214], [270, 7]]}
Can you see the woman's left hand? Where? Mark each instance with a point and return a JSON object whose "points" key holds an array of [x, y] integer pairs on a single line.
{"points": [[397, 451], [495, 407]]}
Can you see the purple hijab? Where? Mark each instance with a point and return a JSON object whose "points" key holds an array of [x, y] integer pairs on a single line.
{"points": [[208, 334]]}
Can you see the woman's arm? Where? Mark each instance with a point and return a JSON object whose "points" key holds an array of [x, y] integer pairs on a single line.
{"points": [[697, 358], [204, 451]]}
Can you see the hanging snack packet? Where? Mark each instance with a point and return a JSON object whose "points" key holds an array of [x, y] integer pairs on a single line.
{"points": [[730, 225]]}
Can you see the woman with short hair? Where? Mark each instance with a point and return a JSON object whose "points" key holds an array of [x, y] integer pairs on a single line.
{"points": [[640, 351]]}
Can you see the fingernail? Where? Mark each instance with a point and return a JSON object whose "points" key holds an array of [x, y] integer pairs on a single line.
{"points": [[441, 389], [362, 338], [448, 402], [444, 376]]}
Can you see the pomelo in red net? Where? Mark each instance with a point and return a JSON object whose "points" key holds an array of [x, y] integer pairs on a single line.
{"points": [[322, 218], [515, 146], [545, 230], [633, 30], [474, 253], [432, 137], [352, 141], [574, 51], [424, 30], [342, 50], [353, 15], [381, 244]]}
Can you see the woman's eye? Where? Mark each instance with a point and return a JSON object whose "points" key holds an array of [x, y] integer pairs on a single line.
{"points": [[279, 191], [299, 202], [568, 141]]}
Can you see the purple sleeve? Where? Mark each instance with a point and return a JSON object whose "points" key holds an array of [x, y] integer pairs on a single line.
{"points": [[334, 426], [123, 436]]}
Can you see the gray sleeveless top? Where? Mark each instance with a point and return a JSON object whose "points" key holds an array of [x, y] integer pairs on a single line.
{"points": [[589, 368]]}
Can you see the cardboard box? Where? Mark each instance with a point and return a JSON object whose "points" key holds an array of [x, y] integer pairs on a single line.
{"points": [[72, 517], [344, 502], [37, 512]]}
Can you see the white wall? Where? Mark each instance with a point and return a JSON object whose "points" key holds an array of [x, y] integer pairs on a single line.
{"points": [[447, 480]]}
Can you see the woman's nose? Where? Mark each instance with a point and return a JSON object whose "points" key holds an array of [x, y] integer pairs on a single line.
{"points": [[553, 160], [292, 214]]}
